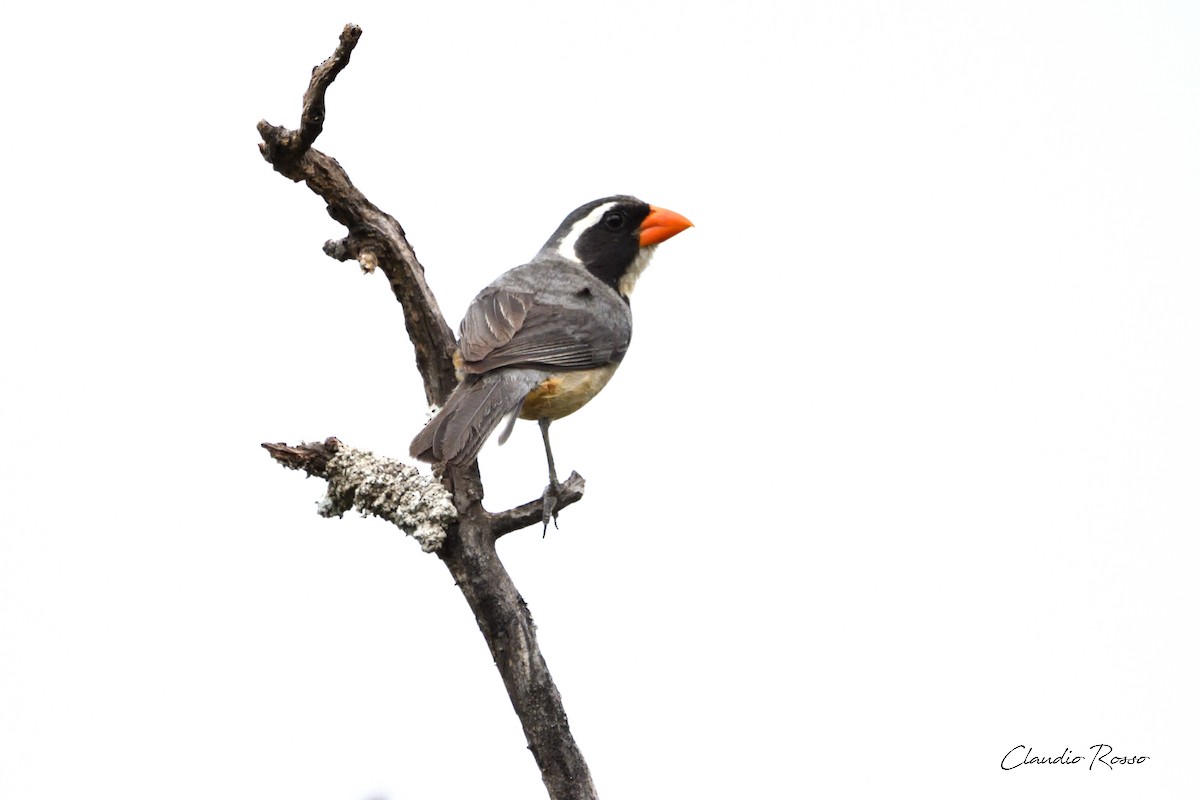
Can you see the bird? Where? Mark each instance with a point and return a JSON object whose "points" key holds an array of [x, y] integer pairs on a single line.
{"points": [[544, 338]]}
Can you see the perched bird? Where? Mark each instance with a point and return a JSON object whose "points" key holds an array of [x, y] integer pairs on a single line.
{"points": [[544, 338]]}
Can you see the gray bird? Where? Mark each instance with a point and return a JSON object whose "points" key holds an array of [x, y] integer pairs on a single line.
{"points": [[545, 337]]}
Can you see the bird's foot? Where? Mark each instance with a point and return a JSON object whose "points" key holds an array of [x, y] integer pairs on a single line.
{"points": [[550, 499]]}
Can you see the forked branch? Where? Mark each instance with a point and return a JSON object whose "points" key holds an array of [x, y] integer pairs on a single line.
{"points": [[375, 239], [449, 517]]}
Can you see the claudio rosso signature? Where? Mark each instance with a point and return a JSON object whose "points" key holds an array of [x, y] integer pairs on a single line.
{"points": [[1101, 754]]}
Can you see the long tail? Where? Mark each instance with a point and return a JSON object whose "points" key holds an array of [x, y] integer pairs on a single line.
{"points": [[472, 412]]}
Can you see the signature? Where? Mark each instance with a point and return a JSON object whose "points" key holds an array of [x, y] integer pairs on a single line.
{"points": [[1021, 755]]}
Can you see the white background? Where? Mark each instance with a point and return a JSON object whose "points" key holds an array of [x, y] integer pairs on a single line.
{"points": [[900, 473]]}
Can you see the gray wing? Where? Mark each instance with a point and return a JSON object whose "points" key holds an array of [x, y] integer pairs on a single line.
{"points": [[575, 331], [493, 319]]}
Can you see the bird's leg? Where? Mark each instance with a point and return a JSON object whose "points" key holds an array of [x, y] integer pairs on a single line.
{"points": [[550, 496], [544, 424]]}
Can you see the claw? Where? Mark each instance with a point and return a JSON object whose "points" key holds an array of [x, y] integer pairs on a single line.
{"points": [[550, 507]]}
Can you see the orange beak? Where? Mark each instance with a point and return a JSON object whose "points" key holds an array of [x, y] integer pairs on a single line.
{"points": [[661, 225]]}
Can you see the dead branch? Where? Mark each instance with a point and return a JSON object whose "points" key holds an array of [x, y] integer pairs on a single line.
{"points": [[570, 491], [414, 502], [375, 239], [449, 517]]}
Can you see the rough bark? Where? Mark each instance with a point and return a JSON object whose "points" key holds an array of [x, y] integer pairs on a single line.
{"points": [[464, 540], [375, 239]]}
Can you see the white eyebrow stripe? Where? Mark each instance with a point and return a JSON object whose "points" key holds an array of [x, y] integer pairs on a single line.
{"points": [[566, 248]]}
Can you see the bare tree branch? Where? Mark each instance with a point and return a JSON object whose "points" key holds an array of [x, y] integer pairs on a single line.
{"points": [[570, 491], [312, 457], [380, 487], [448, 518], [375, 239]]}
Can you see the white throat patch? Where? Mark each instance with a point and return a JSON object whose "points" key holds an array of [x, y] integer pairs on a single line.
{"points": [[625, 285], [566, 248]]}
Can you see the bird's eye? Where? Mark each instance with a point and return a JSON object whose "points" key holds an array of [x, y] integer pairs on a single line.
{"points": [[614, 220]]}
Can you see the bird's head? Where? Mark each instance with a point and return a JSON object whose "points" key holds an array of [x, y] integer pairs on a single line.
{"points": [[614, 237]]}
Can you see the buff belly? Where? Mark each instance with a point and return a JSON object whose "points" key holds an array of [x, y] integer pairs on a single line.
{"points": [[565, 393]]}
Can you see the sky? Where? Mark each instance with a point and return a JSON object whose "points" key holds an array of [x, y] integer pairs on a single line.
{"points": [[897, 479]]}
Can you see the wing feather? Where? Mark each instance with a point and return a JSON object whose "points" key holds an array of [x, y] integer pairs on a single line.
{"points": [[491, 321], [506, 328]]}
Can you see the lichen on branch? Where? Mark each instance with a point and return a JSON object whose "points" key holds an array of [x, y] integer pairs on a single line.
{"points": [[383, 487], [375, 486]]}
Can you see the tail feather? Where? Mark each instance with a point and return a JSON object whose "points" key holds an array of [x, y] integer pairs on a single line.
{"points": [[474, 409]]}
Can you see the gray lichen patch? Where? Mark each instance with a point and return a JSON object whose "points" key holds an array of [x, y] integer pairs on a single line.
{"points": [[390, 489]]}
